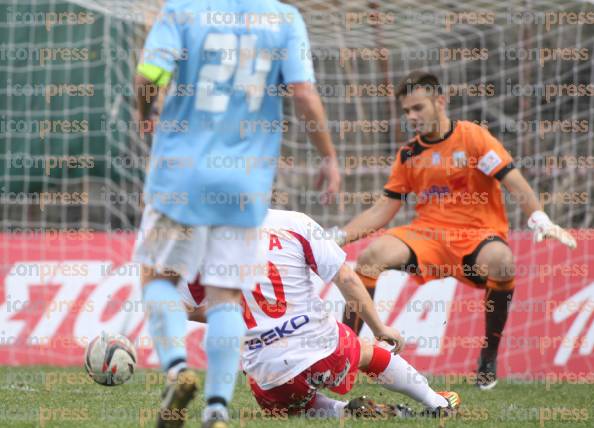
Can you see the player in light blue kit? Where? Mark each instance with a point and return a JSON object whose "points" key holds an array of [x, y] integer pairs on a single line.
{"points": [[212, 167]]}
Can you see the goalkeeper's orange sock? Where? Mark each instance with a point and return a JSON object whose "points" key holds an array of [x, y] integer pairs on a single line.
{"points": [[351, 317]]}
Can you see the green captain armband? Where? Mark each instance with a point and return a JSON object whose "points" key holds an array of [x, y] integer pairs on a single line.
{"points": [[154, 73]]}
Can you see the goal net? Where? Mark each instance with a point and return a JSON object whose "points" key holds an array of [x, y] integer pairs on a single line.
{"points": [[71, 157]]}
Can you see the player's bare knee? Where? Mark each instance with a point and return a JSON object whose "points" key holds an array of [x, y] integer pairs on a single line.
{"points": [[385, 253], [507, 271], [218, 296], [499, 262], [502, 268], [397, 252], [149, 274], [369, 262]]}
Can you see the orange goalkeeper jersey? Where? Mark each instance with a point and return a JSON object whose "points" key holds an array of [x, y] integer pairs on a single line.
{"points": [[455, 181]]}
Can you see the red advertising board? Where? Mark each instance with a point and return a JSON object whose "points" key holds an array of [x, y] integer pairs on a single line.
{"points": [[58, 292]]}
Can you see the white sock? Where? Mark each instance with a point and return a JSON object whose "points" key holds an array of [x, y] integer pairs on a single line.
{"points": [[401, 377], [174, 371], [325, 407], [211, 410]]}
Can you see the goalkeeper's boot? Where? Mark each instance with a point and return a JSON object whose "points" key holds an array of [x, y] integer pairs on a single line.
{"points": [[362, 407], [486, 377], [401, 411], [178, 393], [453, 400], [365, 407], [216, 417]]}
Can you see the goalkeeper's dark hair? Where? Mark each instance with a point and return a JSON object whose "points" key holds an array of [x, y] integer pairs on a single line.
{"points": [[419, 79]]}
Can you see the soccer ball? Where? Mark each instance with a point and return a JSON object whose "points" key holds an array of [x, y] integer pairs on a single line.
{"points": [[110, 359]]}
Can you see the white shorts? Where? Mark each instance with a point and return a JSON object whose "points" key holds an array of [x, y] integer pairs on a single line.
{"points": [[224, 256]]}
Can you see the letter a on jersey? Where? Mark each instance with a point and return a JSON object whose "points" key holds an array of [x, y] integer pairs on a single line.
{"points": [[274, 242]]}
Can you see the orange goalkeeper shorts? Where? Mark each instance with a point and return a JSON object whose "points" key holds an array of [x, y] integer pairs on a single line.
{"points": [[446, 252]]}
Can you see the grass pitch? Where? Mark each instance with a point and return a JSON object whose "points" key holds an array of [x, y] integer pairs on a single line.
{"points": [[57, 397]]}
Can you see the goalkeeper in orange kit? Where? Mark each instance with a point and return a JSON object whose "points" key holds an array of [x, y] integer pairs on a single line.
{"points": [[455, 169]]}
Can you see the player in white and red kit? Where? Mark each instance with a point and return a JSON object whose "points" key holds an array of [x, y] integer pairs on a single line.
{"points": [[293, 347]]}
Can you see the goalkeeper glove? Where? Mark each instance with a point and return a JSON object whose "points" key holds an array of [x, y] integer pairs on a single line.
{"points": [[543, 228]]}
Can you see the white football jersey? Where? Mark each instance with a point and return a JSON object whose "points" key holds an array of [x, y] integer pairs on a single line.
{"points": [[288, 329]]}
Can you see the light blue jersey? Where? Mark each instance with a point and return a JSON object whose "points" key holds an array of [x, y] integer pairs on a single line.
{"points": [[215, 151]]}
